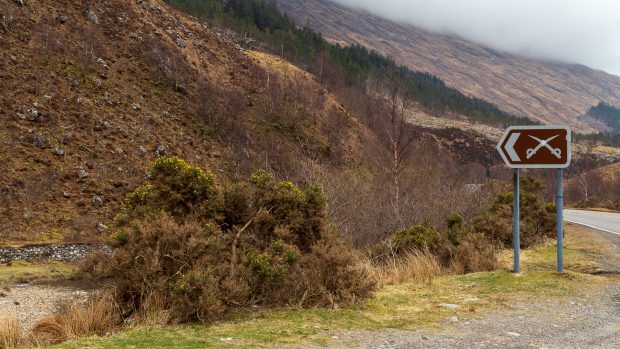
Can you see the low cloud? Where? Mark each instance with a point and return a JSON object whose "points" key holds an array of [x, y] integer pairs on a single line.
{"points": [[576, 31]]}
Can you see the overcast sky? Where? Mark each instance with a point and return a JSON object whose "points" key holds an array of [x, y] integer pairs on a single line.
{"points": [[581, 31]]}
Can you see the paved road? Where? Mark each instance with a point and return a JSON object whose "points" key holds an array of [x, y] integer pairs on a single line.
{"points": [[606, 221]]}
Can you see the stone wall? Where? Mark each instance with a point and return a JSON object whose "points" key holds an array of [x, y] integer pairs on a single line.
{"points": [[51, 252]]}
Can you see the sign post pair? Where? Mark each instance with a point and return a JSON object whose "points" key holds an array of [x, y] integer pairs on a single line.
{"points": [[537, 147]]}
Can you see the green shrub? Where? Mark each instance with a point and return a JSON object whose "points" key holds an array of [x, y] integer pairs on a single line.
{"points": [[458, 248], [138, 197], [419, 237], [474, 253], [201, 252], [261, 266], [613, 204], [260, 178], [454, 222], [332, 273], [537, 217], [237, 205], [119, 238], [175, 187], [456, 231]]}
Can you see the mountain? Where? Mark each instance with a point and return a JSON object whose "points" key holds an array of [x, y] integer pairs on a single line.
{"points": [[92, 92], [551, 92]]}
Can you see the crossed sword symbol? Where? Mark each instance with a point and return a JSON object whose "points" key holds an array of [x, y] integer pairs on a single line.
{"points": [[544, 143]]}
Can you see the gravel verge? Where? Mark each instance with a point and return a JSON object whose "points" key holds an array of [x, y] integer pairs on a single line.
{"points": [[590, 322], [30, 303]]}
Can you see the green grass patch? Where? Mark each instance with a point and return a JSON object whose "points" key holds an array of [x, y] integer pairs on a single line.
{"points": [[544, 258], [21, 271]]}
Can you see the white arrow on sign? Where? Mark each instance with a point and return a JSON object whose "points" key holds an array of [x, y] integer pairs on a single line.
{"points": [[510, 147]]}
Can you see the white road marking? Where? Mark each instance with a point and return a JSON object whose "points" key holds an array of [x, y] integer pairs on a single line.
{"points": [[591, 226]]}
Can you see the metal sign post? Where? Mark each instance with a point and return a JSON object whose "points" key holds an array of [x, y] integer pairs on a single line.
{"points": [[537, 147], [515, 219], [559, 225]]}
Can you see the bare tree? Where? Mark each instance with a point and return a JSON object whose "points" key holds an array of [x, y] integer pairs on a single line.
{"points": [[584, 185], [319, 66], [399, 136], [171, 63]]}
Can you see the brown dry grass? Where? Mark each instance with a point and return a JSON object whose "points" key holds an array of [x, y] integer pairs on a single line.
{"points": [[419, 266], [99, 316], [587, 240], [9, 332], [154, 312]]}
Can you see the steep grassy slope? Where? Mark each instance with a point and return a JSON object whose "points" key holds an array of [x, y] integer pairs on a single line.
{"points": [[545, 91], [93, 92], [336, 65]]}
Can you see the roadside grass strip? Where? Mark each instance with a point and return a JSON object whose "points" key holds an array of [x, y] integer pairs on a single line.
{"points": [[404, 306]]}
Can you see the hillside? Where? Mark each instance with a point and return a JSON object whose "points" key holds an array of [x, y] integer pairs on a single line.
{"points": [[93, 92], [606, 116], [599, 187], [545, 91], [260, 24]]}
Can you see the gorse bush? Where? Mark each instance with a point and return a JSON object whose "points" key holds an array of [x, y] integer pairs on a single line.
{"points": [[464, 248], [458, 249], [177, 188], [200, 249], [537, 216], [417, 237]]}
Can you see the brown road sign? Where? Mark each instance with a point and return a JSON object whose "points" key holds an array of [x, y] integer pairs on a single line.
{"points": [[536, 147]]}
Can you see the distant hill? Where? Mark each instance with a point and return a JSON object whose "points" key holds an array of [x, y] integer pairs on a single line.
{"points": [[550, 92], [607, 117]]}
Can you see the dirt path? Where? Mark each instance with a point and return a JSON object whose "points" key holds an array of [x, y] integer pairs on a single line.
{"points": [[590, 322]]}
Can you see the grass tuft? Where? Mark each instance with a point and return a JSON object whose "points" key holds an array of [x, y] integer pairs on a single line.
{"points": [[9, 332], [98, 317], [417, 266]]}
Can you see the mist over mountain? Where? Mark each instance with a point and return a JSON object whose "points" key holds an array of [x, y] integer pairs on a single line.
{"points": [[585, 32], [547, 91]]}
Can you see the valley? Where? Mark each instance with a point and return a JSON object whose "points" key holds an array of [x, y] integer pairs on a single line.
{"points": [[551, 92], [296, 174]]}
